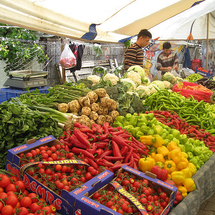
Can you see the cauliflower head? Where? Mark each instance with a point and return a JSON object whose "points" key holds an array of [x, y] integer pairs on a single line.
{"points": [[135, 77], [167, 84], [112, 77], [152, 88], [168, 76], [94, 78], [159, 84], [143, 91], [139, 70], [129, 82]]}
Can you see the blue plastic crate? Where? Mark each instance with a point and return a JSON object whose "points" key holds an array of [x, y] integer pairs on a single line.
{"points": [[210, 73], [2, 96], [7, 93]]}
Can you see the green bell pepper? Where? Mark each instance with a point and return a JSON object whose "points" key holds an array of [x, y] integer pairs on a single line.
{"points": [[128, 128], [190, 155], [189, 147], [158, 129], [133, 120], [194, 160], [150, 132], [176, 133], [200, 150], [121, 119], [128, 116], [183, 138], [182, 147], [117, 124], [144, 129], [150, 116]]}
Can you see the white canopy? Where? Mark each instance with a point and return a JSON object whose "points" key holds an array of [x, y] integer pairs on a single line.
{"points": [[113, 19], [193, 20]]}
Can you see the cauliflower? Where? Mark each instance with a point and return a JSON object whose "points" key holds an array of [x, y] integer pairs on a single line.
{"points": [[94, 78], [135, 77], [167, 84], [129, 82], [143, 91], [152, 88], [131, 93], [168, 76], [159, 84], [112, 77], [139, 70]]}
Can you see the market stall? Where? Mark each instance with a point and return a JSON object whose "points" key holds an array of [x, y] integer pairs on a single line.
{"points": [[123, 130]]}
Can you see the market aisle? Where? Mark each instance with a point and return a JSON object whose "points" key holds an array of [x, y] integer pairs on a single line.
{"points": [[208, 207]]}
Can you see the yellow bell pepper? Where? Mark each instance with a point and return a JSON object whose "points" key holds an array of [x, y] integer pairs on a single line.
{"points": [[178, 177], [163, 150], [159, 158], [183, 163], [187, 172], [189, 184], [147, 139], [146, 164], [157, 141], [152, 154], [184, 154], [175, 155], [169, 166], [192, 168], [183, 190], [172, 145]]}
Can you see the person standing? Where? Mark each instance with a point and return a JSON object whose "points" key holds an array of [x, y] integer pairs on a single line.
{"points": [[167, 60], [134, 54]]}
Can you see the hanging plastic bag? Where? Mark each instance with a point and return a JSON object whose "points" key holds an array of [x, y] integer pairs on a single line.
{"points": [[67, 58]]}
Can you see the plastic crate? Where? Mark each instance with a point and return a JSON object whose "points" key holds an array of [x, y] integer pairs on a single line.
{"points": [[208, 74], [2, 96], [7, 93]]}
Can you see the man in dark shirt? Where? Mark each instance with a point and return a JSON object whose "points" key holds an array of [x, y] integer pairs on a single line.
{"points": [[167, 60], [134, 54]]}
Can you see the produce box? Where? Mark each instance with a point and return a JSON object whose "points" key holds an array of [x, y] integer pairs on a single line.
{"points": [[204, 73], [64, 201], [85, 204], [7, 93]]}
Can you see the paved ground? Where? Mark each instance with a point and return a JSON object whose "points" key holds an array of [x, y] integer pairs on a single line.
{"points": [[208, 207]]}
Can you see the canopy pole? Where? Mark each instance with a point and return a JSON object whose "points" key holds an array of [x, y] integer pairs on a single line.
{"points": [[63, 69], [207, 41]]}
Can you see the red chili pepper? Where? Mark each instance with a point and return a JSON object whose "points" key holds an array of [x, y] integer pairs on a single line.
{"points": [[106, 153], [91, 137], [111, 158], [117, 166], [103, 136], [119, 140], [98, 152], [124, 150], [139, 149], [139, 144], [84, 152], [135, 155], [85, 130], [96, 128], [78, 125], [118, 132], [103, 162], [116, 150], [81, 137], [102, 145], [105, 127], [126, 136], [128, 155], [93, 148], [74, 140], [93, 164]]}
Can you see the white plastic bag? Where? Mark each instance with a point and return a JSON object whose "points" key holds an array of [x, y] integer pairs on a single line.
{"points": [[67, 58]]}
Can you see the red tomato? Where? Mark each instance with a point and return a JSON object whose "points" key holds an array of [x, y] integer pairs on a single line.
{"points": [[20, 186], [4, 181], [12, 200], [124, 207], [7, 210], [88, 176], [33, 197], [11, 187], [35, 207], [23, 211], [26, 202]]}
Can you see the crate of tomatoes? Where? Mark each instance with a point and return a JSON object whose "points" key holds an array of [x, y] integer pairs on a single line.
{"points": [[131, 192], [48, 169]]}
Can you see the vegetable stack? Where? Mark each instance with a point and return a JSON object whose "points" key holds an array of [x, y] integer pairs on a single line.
{"points": [[104, 146]]}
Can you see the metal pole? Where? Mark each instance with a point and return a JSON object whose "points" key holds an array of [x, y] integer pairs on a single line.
{"points": [[207, 41]]}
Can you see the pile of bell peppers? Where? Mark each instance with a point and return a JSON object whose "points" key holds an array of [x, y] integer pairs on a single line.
{"points": [[147, 126], [169, 164]]}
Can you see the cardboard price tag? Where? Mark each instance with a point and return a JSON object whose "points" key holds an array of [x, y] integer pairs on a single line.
{"points": [[123, 192]]}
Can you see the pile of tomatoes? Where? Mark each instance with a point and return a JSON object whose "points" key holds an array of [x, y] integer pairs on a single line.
{"points": [[154, 200], [15, 199], [57, 176]]}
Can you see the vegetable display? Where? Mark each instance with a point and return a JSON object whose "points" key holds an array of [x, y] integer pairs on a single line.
{"points": [[104, 146], [15, 199], [19, 124], [194, 112]]}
